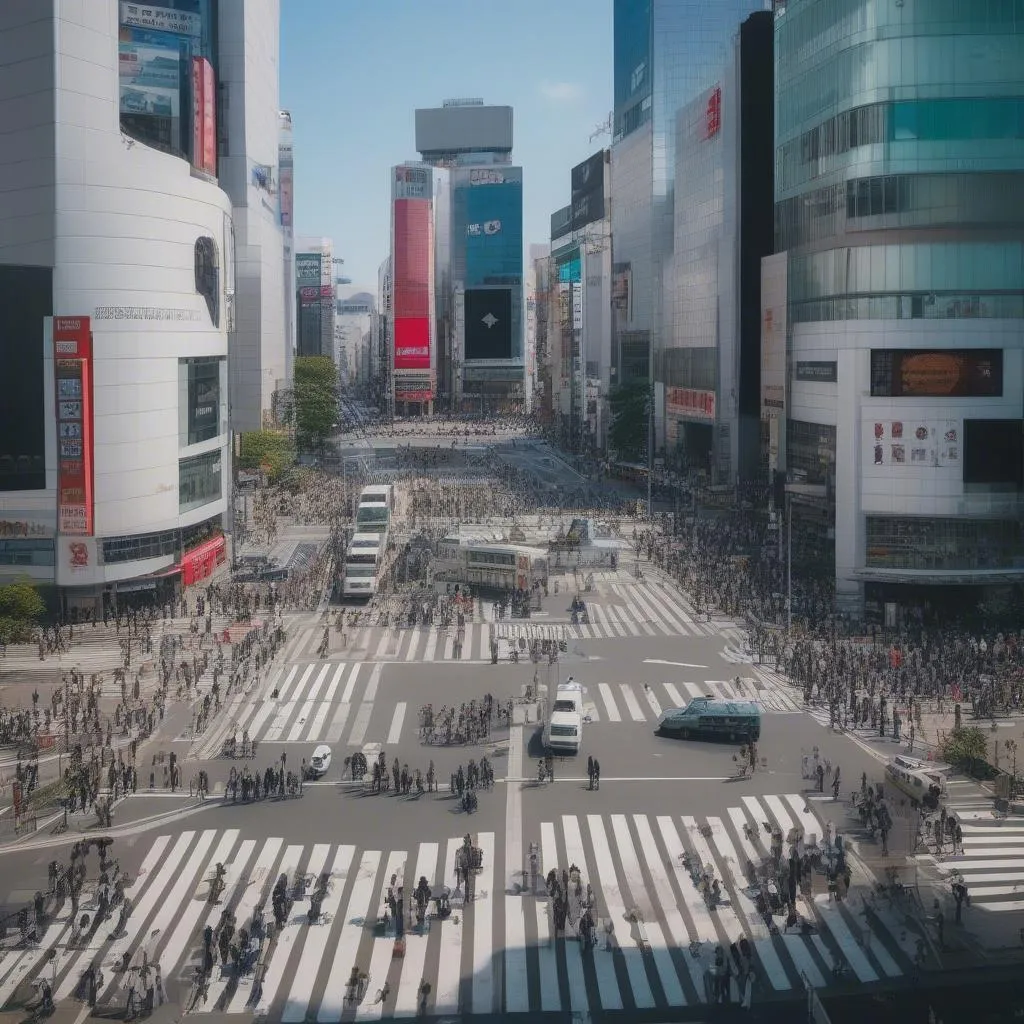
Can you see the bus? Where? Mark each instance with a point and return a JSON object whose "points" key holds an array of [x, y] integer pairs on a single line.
{"points": [[493, 566], [363, 562], [374, 517]]}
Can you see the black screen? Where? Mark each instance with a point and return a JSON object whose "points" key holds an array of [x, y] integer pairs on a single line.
{"points": [[203, 399], [488, 323], [26, 298], [994, 452]]}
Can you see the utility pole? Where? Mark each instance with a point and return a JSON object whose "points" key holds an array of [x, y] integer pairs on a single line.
{"points": [[650, 450], [789, 563]]}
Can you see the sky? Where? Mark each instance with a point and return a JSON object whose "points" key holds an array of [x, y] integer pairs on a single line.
{"points": [[354, 71]]}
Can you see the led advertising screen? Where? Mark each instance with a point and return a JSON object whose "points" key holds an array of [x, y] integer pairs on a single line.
{"points": [[204, 116], [494, 233], [150, 72], [72, 353], [412, 343], [412, 251], [488, 323], [937, 373], [588, 191]]}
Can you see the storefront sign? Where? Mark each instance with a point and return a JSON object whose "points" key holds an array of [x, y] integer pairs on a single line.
{"points": [[162, 19], [577, 307], [690, 403], [914, 443], [200, 562], [818, 372], [486, 177], [72, 348]]}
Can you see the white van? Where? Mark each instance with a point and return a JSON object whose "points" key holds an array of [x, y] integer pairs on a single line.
{"points": [[563, 730]]}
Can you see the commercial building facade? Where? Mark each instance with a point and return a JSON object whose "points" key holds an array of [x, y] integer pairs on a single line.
{"points": [[314, 297], [116, 275], [286, 195], [667, 54], [899, 172]]}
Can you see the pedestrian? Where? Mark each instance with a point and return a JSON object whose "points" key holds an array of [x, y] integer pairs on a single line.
{"points": [[590, 771], [597, 774]]}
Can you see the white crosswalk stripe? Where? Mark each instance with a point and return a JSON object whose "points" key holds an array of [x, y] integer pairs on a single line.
{"points": [[642, 870], [992, 861], [341, 702]]}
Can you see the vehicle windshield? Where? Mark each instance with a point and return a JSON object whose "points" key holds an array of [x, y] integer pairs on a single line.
{"points": [[563, 730], [564, 705]]}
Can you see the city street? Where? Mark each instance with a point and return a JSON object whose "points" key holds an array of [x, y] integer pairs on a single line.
{"points": [[665, 807]]}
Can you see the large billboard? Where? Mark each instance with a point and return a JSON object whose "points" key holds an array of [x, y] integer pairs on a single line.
{"points": [[72, 354], [412, 255], [412, 183], [488, 323], [204, 116], [412, 343], [150, 71], [587, 191], [494, 233], [937, 373]]}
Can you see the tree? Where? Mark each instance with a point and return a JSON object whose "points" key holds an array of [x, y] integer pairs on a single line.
{"points": [[315, 397], [964, 748], [628, 431], [21, 608], [268, 451]]}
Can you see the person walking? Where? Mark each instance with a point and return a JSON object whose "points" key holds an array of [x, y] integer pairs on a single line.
{"points": [[590, 772]]}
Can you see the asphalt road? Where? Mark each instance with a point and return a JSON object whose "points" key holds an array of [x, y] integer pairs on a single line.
{"points": [[660, 800]]}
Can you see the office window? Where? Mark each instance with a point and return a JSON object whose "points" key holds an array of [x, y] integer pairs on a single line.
{"points": [[199, 480]]}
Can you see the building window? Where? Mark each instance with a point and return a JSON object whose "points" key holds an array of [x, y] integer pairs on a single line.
{"points": [[203, 399], [932, 543], [158, 545], [28, 551], [199, 480], [811, 451], [208, 276]]}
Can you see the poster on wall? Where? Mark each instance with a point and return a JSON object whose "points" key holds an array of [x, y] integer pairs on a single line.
{"points": [[915, 443], [72, 352]]}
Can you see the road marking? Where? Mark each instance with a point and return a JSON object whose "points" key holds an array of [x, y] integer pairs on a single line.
{"points": [[415, 940], [395, 732], [517, 974], [359, 726], [285, 695], [318, 722], [677, 664], [318, 682], [653, 701], [428, 653], [674, 695], [632, 704], [385, 642], [382, 948], [332, 689], [338, 724], [483, 929], [610, 706], [371, 686], [346, 696], [414, 642], [485, 637], [307, 969], [332, 1004], [449, 968]]}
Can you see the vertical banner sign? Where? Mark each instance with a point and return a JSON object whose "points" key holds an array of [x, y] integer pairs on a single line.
{"points": [[72, 350], [204, 116]]}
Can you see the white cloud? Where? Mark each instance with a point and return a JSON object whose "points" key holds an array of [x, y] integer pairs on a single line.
{"points": [[562, 92]]}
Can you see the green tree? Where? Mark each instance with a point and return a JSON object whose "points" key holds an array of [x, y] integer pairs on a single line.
{"points": [[268, 451], [965, 748], [21, 608], [315, 399], [628, 431]]}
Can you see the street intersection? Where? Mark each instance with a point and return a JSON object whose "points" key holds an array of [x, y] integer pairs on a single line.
{"points": [[664, 808]]}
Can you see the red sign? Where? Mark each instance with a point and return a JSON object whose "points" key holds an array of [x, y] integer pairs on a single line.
{"points": [[713, 114], [691, 404], [204, 116], [412, 343], [72, 353], [413, 396], [199, 563], [412, 251]]}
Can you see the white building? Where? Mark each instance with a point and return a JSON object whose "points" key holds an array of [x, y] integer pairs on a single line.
{"points": [[113, 222], [286, 196], [355, 311], [249, 45]]}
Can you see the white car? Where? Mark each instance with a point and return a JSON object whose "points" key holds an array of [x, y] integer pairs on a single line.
{"points": [[320, 762]]}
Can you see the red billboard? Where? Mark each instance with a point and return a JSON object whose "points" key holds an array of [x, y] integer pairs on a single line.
{"points": [[412, 250], [72, 361], [204, 116], [412, 343], [713, 113]]}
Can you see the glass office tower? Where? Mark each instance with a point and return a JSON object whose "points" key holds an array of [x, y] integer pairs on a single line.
{"points": [[666, 54], [899, 181]]}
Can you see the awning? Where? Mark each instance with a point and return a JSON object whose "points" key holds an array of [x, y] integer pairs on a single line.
{"points": [[203, 551]]}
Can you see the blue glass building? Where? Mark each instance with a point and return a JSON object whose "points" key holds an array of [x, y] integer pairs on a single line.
{"points": [[899, 181]]}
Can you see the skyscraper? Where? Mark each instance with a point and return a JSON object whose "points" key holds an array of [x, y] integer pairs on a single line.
{"points": [[667, 53], [900, 170]]}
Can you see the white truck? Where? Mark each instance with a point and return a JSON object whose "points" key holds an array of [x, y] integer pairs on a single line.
{"points": [[563, 726]]}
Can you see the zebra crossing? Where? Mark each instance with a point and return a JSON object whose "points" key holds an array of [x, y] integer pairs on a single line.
{"points": [[992, 862], [497, 952], [337, 703]]}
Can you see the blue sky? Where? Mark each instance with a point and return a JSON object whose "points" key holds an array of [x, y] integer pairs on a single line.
{"points": [[353, 72]]}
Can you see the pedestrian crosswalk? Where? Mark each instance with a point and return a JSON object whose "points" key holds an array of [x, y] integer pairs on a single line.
{"points": [[498, 951], [337, 702]]}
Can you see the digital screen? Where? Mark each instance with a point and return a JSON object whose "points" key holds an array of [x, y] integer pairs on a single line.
{"points": [[488, 323], [994, 452], [203, 400], [937, 373]]}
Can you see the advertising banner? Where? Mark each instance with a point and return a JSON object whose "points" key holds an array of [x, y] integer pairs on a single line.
{"points": [[713, 113], [149, 69], [919, 444], [577, 306], [162, 19], [561, 222], [412, 343], [412, 251], [937, 373], [690, 404], [486, 176], [412, 395], [587, 191], [72, 350], [307, 268], [76, 560], [488, 323], [774, 284], [204, 116], [413, 183], [286, 182]]}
